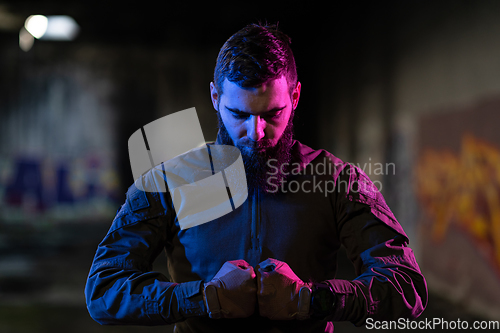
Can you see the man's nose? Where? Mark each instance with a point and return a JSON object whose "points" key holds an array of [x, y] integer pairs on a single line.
{"points": [[255, 129]]}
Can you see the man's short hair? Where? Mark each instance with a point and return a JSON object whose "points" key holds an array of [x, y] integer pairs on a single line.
{"points": [[254, 55]]}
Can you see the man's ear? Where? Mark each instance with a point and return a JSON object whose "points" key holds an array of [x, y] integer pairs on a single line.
{"points": [[296, 95], [214, 95]]}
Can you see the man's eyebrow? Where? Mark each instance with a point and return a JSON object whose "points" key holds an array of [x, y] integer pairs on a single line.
{"points": [[237, 111]]}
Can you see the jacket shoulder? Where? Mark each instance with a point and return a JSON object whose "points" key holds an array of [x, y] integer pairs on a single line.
{"points": [[305, 155], [143, 202]]}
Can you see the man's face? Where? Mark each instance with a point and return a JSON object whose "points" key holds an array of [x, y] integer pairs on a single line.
{"points": [[259, 122], [255, 118]]}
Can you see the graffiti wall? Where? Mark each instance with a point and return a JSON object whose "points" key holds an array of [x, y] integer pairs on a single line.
{"points": [[458, 187], [57, 144]]}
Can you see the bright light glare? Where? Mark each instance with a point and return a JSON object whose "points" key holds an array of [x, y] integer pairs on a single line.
{"points": [[36, 25], [26, 40], [61, 27], [55, 27]]}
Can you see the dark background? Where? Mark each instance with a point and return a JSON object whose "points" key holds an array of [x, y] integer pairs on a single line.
{"points": [[135, 61]]}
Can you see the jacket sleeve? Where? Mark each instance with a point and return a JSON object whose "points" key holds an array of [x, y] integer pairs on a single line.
{"points": [[389, 283], [121, 287]]}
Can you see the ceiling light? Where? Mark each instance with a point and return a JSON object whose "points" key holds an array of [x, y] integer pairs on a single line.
{"points": [[36, 25], [56, 27]]}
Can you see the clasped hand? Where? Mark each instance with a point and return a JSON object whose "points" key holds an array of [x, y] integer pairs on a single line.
{"points": [[237, 289]]}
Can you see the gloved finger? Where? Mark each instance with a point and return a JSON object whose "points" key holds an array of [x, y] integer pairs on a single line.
{"points": [[266, 290], [232, 293], [266, 268], [272, 272], [265, 283], [238, 267], [231, 276], [212, 301], [242, 264], [269, 264], [272, 266]]}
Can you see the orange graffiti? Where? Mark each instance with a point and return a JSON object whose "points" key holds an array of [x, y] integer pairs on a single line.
{"points": [[464, 190]]}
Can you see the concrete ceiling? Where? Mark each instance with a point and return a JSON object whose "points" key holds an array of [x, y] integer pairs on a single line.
{"points": [[157, 22]]}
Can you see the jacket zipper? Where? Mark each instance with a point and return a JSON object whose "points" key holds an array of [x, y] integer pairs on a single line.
{"points": [[257, 220]]}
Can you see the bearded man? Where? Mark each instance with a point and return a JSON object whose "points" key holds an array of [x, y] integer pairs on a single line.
{"points": [[270, 264]]}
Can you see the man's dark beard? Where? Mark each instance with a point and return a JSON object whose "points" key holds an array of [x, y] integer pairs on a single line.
{"points": [[261, 174]]}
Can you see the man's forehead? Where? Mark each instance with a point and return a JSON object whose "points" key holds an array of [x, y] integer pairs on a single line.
{"points": [[273, 85], [269, 96]]}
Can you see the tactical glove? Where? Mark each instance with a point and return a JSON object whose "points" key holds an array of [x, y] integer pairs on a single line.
{"points": [[282, 295], [232, 293]]}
